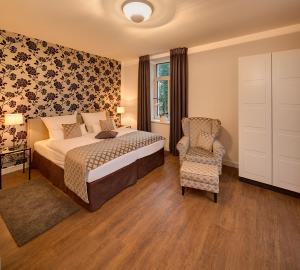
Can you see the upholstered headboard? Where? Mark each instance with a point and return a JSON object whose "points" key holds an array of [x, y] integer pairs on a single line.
{"points": [[37, 131]]}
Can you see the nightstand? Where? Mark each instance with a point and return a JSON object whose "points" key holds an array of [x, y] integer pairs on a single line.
{"points": [[12, 157]]}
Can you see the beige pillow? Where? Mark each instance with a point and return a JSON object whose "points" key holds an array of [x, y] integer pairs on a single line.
{"points": [[71, 130], [107, 124], [205, 140]]}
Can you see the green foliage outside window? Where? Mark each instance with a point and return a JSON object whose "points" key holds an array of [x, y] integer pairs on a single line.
{"points": [[162, 97], [162, 69]]}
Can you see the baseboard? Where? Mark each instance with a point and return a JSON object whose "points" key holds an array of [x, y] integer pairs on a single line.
{"points": [[13, 168], [230, 163], [270, 187]]}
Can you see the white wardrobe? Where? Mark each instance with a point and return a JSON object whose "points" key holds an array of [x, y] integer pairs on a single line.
{"points": [[269, 118]]}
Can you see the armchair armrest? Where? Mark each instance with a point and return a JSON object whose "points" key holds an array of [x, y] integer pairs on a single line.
{"points": [[218, 150], [183, 146]]}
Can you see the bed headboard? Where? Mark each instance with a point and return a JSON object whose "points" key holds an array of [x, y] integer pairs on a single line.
{"points": [[37, 131]]}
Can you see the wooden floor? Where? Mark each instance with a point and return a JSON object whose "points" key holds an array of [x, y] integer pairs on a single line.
{"points": [[151, 226]]}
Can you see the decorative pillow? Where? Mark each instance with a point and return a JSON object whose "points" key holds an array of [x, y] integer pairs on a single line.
{"points": [[205, 141], [106, 134], [72, 130], [107, 124], [198, 124], [54, 124], [113, 122], [91, 119]]}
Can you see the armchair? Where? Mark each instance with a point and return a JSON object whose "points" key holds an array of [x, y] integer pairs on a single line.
{"points": [[187, 146]]}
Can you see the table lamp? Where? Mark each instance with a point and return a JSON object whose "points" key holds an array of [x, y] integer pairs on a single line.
{"points": [[13, 119], [121, 110]]}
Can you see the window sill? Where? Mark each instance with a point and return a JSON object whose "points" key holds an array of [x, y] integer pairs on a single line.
{"points": [[158, 122]]}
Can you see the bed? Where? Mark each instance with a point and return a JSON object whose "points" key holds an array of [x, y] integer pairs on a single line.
{"points": [[102, 182]]}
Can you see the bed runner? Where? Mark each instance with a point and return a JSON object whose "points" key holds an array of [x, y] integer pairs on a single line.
{"points": [[80, 160]]}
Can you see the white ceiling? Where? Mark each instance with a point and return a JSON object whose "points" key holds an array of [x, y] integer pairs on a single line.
{"points": [[99, 27]]}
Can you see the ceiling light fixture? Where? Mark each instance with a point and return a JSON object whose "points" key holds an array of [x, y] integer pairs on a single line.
{"points": [[137, 11]]}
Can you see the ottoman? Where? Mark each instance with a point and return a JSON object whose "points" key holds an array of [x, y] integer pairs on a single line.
{"points": [[200, 176]]}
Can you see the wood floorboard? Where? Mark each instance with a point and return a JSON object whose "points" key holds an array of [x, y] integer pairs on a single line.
{"points": [[151, 226]]}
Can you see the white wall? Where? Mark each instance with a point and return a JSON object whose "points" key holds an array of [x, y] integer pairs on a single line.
{"points": [[129, 86], [213, 86]]}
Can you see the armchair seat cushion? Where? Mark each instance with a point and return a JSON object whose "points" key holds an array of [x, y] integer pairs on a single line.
{"points": [[197, 154]]}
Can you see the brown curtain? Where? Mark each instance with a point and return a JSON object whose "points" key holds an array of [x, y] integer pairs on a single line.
{"points": [[178, 94], [144, 113]]}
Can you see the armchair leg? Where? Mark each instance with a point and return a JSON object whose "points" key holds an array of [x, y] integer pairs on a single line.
{"points": [[182, 190], [215, 197]]}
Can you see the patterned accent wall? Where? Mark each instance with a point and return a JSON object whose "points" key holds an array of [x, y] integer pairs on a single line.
{"points": [[38, 78]]}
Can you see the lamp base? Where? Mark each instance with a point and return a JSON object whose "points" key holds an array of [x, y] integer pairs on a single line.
{"points": [[11, 148]]}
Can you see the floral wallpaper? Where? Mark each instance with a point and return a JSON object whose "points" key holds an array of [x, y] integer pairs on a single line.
{"points": [[38, 78]]}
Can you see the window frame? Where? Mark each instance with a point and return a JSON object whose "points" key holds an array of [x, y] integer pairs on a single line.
{"points": [[154, 100]]}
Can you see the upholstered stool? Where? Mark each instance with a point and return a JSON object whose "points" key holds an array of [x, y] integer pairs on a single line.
{"points": [[200, 176]]}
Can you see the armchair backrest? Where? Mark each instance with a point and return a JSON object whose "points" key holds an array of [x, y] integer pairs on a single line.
{"points": [[193, 125]]}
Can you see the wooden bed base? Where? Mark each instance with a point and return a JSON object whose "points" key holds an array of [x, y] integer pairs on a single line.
{"points": [[101, 190]]}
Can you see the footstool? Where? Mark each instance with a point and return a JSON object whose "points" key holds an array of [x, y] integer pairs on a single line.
{"points": [[200, 176]]}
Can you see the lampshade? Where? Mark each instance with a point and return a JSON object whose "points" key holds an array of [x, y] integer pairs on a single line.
{"points": [[120, 110], [11, 119]]}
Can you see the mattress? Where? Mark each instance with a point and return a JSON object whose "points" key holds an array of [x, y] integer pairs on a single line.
{"points": [[55, 151]]}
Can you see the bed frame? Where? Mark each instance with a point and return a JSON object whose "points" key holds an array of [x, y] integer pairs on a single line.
{"points": [[101, 190]]}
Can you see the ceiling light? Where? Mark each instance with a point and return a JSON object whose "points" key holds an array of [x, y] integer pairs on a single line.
{"points": [[137, 11]]}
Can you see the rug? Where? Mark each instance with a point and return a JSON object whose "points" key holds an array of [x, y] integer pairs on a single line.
{"points": [[33, 208]]}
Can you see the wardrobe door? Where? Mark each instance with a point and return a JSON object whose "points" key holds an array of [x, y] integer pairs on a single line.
{"points": [[255, 156], [286, 119]]}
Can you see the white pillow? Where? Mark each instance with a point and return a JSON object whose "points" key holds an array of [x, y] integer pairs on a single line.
{"points": [[96, 128], [83, 129], [54, 124], [91, 119]]}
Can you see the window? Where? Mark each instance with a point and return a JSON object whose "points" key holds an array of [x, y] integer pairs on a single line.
{"points": [[160, 96]]}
